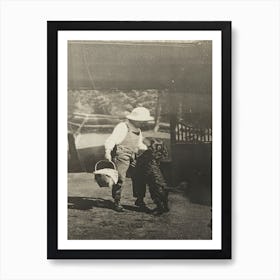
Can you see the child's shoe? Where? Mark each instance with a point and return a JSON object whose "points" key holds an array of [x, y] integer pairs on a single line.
{"points": [[118, 206]]}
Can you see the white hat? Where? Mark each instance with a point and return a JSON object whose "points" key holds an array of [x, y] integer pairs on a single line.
{"points": [[140, 114]]}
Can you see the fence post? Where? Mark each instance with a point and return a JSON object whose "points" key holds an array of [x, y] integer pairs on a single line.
{"points": [[74, 161]]}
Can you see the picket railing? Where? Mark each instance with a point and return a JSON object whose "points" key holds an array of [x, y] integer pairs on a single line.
{"points": [[188, 134]]}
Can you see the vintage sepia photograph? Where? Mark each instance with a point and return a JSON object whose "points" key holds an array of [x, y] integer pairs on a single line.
{"points": [[139, 146], [139, 139]]}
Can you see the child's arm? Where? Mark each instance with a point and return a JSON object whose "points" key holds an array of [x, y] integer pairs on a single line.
{"points": [[141, 145], [115, 138]]}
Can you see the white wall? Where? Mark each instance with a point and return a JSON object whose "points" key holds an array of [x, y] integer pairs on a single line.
{"points": [[255, 139]]}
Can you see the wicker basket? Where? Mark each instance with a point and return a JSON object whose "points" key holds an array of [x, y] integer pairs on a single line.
{"points": [[106, 174]]}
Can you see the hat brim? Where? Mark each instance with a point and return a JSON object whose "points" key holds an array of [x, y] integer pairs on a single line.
{"points": [[133, 118]]}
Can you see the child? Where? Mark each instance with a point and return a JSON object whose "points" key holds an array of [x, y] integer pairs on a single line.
{"points": [[148, 169], [125, 141]]}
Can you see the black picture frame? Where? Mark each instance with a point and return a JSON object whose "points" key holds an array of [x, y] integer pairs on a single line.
{"points": [[53, 27]]}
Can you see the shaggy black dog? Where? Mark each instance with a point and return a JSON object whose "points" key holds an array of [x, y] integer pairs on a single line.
{"points": [[148, 165]]}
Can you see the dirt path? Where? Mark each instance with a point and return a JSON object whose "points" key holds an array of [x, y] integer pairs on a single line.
{"points": [[90, 214]]}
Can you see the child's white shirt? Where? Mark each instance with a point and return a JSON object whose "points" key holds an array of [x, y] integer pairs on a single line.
{"points": [[118, 135]]}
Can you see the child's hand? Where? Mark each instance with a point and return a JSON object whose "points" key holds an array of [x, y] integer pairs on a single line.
{"points": [[147, 142], [133, 163], [108, 155]]}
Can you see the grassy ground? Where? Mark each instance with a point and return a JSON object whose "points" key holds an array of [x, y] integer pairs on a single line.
{"points": [[91, 214]]}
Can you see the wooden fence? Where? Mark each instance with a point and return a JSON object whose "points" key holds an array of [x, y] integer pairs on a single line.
{"points": [[187, 134]]}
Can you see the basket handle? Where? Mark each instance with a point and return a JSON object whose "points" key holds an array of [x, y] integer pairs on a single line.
{"points": [[96, 165]]}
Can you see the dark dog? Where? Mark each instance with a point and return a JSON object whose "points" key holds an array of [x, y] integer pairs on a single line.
{"points": [[148, 164]]}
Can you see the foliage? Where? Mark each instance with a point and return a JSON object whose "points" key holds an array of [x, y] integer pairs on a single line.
{"points": [[115, 102], [192, 109]]}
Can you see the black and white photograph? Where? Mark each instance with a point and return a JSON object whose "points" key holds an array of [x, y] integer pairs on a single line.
{"points": [[143, 169], [128, 178], [139, 139]]}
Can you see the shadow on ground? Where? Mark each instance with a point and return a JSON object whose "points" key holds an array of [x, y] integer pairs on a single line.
{"points": [[87, 203], [137, 209]]}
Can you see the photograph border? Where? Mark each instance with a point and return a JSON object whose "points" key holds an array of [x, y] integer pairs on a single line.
{"points": [[52, 102]]}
